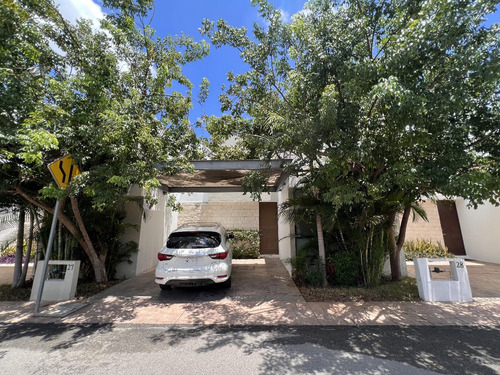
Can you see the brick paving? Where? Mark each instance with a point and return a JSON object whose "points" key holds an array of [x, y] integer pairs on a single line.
{"points": [[262, 294]]}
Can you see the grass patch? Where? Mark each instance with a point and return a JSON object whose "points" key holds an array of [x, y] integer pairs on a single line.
{"points": [[83, 290], [404, 290], [7, 293]]}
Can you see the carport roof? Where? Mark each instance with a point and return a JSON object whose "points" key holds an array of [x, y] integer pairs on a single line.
{"points": [[224, 176]]}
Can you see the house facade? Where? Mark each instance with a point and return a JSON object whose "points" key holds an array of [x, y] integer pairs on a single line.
{"points": [[468, 232]]}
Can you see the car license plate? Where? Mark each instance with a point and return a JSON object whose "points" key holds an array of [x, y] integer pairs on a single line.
{"points": [[188, 283], [190, 260]]}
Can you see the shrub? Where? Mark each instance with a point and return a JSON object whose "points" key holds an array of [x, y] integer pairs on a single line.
{"points": [[246, 244], [305, 269], [345, 268], [8, 252], [9, 249], [425, 249]]}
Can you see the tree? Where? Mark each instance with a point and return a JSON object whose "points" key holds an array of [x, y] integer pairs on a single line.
{"points": [[386, 102], [106, 95], [19, 248]]}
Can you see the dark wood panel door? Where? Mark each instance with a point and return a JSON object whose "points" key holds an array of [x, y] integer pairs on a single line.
{"points": [[450, 226], [268, 227]]}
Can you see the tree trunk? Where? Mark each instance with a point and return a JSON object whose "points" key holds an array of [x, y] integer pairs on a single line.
{"points": [[99, 271], [19, 248], [396, 246], [97, 264], [321, 249], [38, 241], [22, 279]]}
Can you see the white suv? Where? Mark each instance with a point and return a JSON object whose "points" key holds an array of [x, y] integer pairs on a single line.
{"points": [[195, 254]]}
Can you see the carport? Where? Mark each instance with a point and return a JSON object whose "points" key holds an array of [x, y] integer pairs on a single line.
{"points": [[223, 176], [222, 179], [219, 177]]}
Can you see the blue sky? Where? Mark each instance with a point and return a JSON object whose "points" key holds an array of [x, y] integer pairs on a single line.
{"points": [[185, 16]]}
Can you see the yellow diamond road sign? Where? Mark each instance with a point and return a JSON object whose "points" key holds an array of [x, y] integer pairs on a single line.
{"points": [[63, 170]]}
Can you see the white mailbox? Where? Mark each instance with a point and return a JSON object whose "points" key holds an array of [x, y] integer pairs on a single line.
{"points": [[454, 289], [60, 283]]}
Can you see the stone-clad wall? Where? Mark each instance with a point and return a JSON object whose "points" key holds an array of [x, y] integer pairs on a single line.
{"points": [[232, 215], [423, 230]]}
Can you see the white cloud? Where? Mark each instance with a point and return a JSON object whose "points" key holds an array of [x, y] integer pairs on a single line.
{"points": [[75, 9], [285, 16]]}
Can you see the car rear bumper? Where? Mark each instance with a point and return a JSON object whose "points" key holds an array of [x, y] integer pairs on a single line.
{"points": [[190, 283], [192, 277]]}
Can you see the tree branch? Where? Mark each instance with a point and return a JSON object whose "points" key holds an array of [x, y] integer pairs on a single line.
{"points": [[63, 218], [372, 106], [479, 141]]}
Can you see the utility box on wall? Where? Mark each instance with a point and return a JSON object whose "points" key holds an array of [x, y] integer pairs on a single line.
{"points": [[455, 288], [60, 283]]}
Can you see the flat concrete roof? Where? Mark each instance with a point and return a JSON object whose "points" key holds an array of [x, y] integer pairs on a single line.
{"points": [[224, 176]]}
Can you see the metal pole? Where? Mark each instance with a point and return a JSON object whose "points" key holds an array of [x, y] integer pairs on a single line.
{"points": [[47, 256]]}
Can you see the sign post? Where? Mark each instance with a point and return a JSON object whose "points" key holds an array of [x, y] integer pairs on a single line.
{"points": [[63, 171]]}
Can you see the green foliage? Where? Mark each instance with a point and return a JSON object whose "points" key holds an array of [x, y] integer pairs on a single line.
{"points": [[7, 293], [103, 94], [9, 250], [373, 255], [305, 268], [255, 182], [425, 249], [246, 244], [113, 95], [379, 103], [346, 268], [107, 229]]}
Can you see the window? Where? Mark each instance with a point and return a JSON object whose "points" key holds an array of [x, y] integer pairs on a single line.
{"points": [[193, 240]]}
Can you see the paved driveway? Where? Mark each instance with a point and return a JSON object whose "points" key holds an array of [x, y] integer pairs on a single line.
{"points": [[261, 280]]}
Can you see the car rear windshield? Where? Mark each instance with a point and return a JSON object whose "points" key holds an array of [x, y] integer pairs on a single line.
{"points": [[193, 240]]}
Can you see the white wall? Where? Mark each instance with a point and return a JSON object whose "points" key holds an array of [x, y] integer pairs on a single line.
{"points": [[286, 241], [125, 270], [480, 231], [151, 234]]}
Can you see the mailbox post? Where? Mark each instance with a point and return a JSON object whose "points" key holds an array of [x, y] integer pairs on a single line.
{"points": [[454, 289]]}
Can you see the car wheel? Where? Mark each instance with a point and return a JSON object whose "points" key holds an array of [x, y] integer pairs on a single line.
{"points": [[226, 284], [165, 287]]}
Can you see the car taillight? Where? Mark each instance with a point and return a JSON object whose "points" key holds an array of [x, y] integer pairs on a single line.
{"points": [[162, 256], [219, 256]]}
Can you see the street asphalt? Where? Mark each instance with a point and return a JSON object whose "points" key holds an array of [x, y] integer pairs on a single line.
{"points": [[27, 348]]}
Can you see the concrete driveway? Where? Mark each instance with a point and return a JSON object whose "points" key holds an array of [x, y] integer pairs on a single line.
{"points": [[261, 280]]}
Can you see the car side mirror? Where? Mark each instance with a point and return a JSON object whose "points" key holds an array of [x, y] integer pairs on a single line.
{"points": [[230, 236]]}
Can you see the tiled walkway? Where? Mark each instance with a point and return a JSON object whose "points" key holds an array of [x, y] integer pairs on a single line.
{"points": [[262, 294]]}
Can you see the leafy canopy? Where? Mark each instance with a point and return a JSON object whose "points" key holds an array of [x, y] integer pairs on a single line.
{"points": [[113, 95], [377, 100]]}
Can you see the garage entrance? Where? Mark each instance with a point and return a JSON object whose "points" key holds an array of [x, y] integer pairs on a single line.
{"points": [[212, 181]]}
